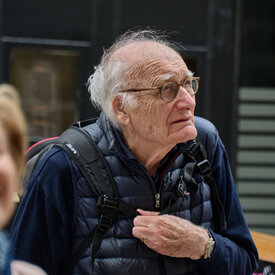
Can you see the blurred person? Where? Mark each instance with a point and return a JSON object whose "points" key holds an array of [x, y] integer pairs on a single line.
{"points": [[9, 91], [12, 162], [147, 97]]}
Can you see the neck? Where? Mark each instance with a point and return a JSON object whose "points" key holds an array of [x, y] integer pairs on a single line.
{"points": [[147, 153]]}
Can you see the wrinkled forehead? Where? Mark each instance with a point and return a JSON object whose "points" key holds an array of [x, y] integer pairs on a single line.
{"points": [[145, 59]]}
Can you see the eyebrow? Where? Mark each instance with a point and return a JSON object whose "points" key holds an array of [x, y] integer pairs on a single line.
{"points": [[169, 76], [166, 77], [189, 73]]}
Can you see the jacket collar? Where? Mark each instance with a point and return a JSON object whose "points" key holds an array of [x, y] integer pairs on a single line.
{"points": [[113, 138]]}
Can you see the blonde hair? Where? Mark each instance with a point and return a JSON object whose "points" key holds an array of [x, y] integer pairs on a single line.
{"points": [[9, 91], [14, 124]]}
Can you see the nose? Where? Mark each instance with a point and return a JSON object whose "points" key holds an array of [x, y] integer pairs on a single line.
{"points": [[184, 99]]}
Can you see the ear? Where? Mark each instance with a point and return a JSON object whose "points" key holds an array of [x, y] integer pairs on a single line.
{"points": [[120, 112]]}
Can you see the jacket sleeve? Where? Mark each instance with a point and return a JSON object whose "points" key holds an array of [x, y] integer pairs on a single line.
{"points": [[42, 226], [234, 252]]}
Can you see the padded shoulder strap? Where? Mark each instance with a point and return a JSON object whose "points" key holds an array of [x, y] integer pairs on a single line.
{"points": [[90, 160]]}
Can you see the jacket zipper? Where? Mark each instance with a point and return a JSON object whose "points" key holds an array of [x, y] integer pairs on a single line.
{"points": [[157, 195], [157, 200]]}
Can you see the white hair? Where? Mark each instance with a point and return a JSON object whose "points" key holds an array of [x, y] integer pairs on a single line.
{"points": [[108, 77]]}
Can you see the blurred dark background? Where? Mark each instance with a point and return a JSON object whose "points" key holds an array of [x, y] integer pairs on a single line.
{"points": [[48, 49]]}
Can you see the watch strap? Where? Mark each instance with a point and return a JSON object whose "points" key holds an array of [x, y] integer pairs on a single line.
{"points": [[209, 246]]}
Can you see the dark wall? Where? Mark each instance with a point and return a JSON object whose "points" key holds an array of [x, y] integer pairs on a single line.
{"points": [[205, 28], [258, 44]]}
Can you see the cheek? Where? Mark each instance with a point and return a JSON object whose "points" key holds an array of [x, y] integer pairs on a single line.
{"points": [[153, 118], [149, 117], [145, 111], [7, 167], [8, 186], [150, 106]]}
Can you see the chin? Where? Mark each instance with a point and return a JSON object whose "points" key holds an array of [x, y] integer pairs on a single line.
{"points": [[188, 133]]}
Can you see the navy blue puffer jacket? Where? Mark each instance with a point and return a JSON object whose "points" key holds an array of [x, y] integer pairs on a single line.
{"points": [[120, 252]]}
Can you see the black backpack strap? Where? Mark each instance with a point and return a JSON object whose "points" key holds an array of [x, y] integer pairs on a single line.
{"points": [[92, 164], [90, 160], [197, 153]]}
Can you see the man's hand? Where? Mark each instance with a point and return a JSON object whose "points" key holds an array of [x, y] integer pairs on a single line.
{"points": [[170, 235]]}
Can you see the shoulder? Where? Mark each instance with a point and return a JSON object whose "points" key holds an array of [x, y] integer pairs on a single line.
{"points": [[55, 162], [206, 129], [208, 135], [52, 188], [56, 175], [94, 131]]}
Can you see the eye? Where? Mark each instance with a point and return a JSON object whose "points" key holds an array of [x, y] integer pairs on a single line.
{"points": [[167, 86], [187, 82], [169, 91]]}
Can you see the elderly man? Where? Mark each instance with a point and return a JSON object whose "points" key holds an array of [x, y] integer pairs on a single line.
{"points": [[147, 95]]}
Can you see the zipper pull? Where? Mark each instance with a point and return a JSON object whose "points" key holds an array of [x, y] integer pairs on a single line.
{"points": [[157, 198]]}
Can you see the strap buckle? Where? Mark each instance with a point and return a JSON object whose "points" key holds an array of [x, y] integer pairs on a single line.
{"points": [[194, 149], [108, 210], [204, 167]]}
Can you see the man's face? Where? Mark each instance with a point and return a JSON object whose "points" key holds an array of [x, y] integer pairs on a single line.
{"points": [[155, 121]]}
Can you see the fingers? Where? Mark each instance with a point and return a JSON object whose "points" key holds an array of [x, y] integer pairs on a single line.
{"points": [[170, 235], [153, 229], [144, 221], [144, 225], [147, 213]]}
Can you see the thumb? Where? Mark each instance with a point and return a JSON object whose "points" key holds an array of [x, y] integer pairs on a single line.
{"points": [[147, 213]]}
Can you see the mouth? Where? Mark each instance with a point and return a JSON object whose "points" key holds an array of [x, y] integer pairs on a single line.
{"points": [[182, 120]]}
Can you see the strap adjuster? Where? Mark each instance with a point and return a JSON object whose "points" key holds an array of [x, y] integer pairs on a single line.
{"points": [[109, 202], [105, 202], [105, 223], [204, 167], [108, 210]]}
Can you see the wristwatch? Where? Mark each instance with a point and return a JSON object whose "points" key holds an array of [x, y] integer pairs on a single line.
{"points": [[209, 246]]}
